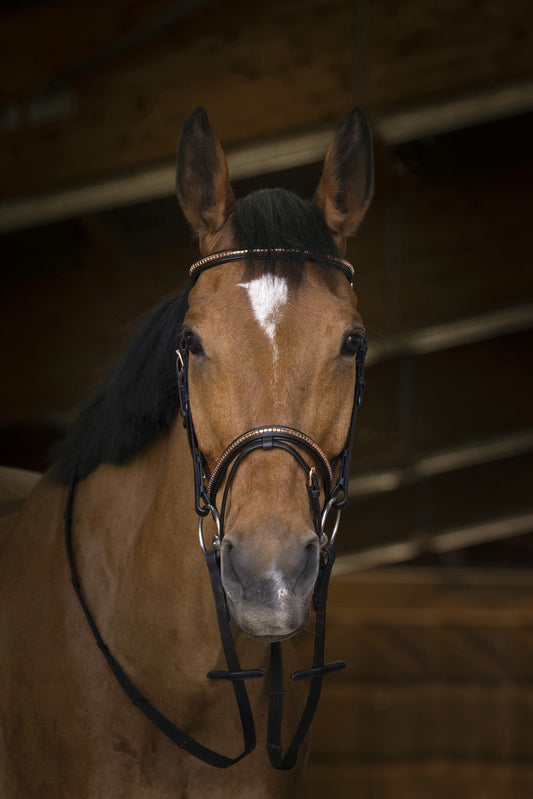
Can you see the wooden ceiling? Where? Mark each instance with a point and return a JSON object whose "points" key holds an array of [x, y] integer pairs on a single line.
{"points": [[90, 89]]}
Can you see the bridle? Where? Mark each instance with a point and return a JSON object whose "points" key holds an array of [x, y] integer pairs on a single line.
{"points": [[271, 436], [207, 485]]}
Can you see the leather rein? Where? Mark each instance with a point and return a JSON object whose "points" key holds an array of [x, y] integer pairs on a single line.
{"points": [[207, 486]]}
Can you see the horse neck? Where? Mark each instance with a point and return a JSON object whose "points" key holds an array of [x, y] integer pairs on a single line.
{"points": [[140, 564]]}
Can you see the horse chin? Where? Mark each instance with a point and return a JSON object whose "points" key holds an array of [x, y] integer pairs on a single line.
{"points": [[264, 625], [272, 639]]}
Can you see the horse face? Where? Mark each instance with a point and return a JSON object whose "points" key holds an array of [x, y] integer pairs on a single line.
{"points": [[264, 351]]}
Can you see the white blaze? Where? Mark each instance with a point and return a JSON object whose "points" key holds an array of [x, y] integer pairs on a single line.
{"points": [[267, 294]]}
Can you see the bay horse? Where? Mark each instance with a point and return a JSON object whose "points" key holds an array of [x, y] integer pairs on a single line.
{"points": [[244, 387]]}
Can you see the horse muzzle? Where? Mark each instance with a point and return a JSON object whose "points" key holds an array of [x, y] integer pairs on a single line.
{"points": [[273, 603]]}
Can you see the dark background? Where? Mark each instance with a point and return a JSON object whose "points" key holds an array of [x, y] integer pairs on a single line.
{"points": [[92, 98]]}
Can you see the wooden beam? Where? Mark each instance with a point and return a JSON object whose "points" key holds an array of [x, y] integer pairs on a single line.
{"points": [[440, 462], [461, 111], [452, 334], [446, 541], [158, 181], [16, 484]]}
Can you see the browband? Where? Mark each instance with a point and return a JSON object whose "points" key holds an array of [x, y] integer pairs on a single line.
{"points": [[258, 253]]}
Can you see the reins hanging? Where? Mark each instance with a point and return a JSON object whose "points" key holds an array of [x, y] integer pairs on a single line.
{"points": [[266, 438], [177, 736]]}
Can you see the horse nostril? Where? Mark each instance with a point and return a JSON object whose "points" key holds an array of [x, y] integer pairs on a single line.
{"points": [[309, 573], [230, 579]]}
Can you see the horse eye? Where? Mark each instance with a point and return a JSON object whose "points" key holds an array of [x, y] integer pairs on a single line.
{"points": [[351, 344], [192, 342]]}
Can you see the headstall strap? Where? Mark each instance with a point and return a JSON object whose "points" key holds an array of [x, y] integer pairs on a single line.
{"points": [[206, 488]]}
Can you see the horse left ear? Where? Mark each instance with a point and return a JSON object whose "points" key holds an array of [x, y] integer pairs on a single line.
{"points": [[347, 183], [202, 183]]}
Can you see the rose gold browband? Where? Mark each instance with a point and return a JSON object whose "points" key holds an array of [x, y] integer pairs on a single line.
{"points": [[258, 253], [261, 433]]}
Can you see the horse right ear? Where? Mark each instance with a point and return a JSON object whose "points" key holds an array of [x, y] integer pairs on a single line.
{"points": [[347, 183], [202, 184]]}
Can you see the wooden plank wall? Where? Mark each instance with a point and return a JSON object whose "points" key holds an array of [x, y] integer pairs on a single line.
{"points": [[260, 69], [437, 697]]}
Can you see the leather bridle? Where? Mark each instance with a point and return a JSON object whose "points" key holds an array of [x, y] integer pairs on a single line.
{"points": [[207, 485], [271, 436]]}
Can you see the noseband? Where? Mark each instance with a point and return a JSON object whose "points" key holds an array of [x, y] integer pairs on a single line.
{"points": [[207, 485]]}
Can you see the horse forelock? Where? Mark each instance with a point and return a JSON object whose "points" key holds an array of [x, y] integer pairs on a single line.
{"points": [[276, 218]]}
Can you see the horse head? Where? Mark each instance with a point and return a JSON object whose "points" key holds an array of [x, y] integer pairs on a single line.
{"points": [[272, 341]]}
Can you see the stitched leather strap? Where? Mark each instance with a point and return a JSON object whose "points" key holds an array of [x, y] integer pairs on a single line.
{"points": [[272, 254], [316, 674]]}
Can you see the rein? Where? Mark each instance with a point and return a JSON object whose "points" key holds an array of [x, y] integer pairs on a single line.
{"points": [[206, 490]]}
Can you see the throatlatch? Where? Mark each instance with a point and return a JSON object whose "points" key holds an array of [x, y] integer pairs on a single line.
{"points": [[207, 486]]}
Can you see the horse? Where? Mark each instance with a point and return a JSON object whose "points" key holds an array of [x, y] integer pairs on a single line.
{"points": [[241, 386]]}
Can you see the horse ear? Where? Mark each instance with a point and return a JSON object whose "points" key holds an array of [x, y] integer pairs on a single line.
{"points": [[202, 183], [347, 183]]}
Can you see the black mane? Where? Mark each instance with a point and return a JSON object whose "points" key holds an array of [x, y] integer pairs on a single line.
{"points": [[135, 405], [138, 402]]}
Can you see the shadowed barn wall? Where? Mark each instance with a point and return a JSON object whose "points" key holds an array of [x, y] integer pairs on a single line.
{"points": [[431, 603]]}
